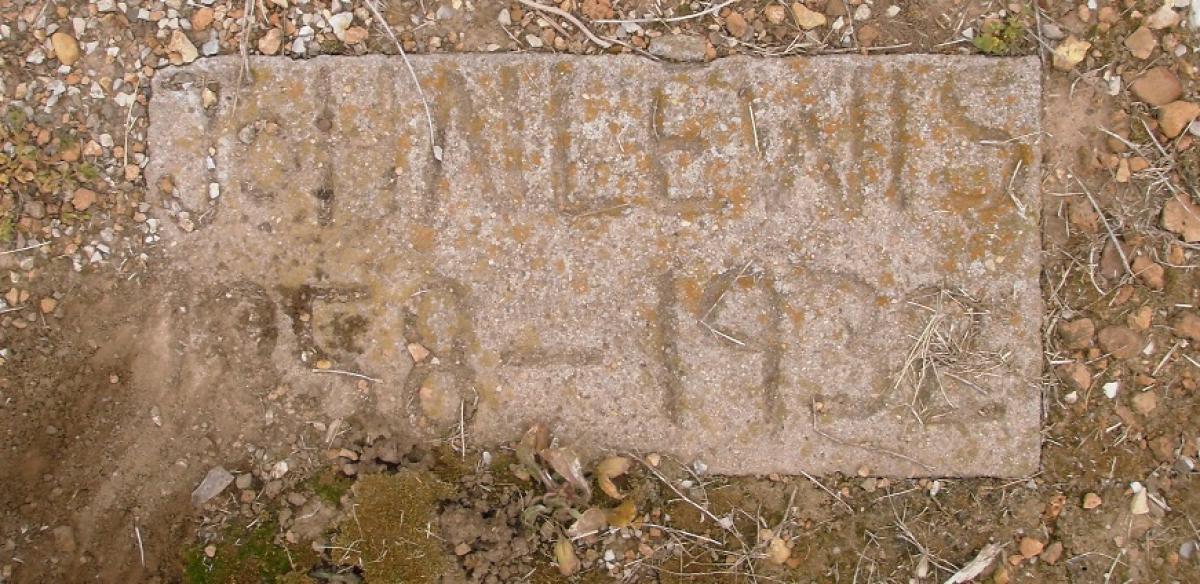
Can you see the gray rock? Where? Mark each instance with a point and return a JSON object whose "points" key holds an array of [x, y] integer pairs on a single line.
{"points": [[679, 47], [214, 482], [35, 209], [726, 263]]}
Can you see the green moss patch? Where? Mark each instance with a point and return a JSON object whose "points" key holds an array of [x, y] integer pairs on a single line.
{"points": [[389, 534], [245, 556]]}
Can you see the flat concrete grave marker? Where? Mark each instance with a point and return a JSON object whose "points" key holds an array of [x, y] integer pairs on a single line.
{"points": [[816, 264]]}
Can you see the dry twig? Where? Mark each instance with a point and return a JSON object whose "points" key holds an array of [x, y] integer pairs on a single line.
{"points": [[412, 73], [569, 18], [710, 10], [1108, 228]]}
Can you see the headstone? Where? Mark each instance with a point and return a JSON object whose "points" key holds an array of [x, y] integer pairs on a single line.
{"points": [[818, 264]]}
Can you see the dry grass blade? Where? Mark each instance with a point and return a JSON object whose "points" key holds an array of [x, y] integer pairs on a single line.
{"points": [[569, 18], [434, 147], [710, 10], [725, 524], [831, 493], [975, 567], [945, 348], [1108, 228], [247, 28]]}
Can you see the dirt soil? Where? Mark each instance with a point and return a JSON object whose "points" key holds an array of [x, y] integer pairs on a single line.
{"points": [[111, 420]]}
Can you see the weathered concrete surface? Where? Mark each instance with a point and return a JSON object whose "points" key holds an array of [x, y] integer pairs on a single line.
{"points": [[731, 262]]}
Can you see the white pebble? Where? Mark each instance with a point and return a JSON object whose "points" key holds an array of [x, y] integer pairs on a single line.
{"points": [[1110, 389]]}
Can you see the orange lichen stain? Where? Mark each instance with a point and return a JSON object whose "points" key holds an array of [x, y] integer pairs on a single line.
{"points": [[1025, 153], [978, 246], [423, 238], [187, 142], [869, 172], [403, 146], [968, 190], [738, 195], [893, 191], [876, 74], [438, 81], [689, 213], [642, 162], [662, 243], [560, 266], [487, 385], [520, 232], [808, 99], [745, 282], [538, 263], [795, 314], [489, 359], [262, 77], [527, 339], [592, 108], [887, 280], [475, 125], [647, 312], [853, 182], [294, 90], [579, 283], [690, 293], [512, 154], [882, 301]]}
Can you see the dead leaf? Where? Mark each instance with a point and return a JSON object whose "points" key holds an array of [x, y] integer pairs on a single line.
{"points": [[1070, 52], [623, 515], [564, 554], [534, 440], [778, 551], [537, 438], [975, 567], [607, 470], [591, 521], [566, 463], [807, 18], [1139, 505]]}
